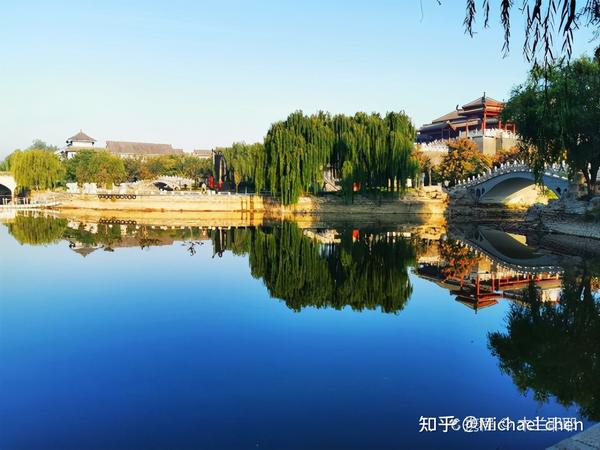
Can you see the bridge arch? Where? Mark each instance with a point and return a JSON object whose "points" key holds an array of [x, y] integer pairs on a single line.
{"points": [[173, 183], [513, 183], [8, 185], [518, 186]]}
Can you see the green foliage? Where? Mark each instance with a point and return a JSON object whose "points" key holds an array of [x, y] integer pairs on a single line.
{"points": [[367, 272], [32, 230], [96, 166], [348, 181], [557, 113], [36, 169], [246, 163], [540, 334], [174, 165], [38, 144], [133, 169], [463, 160], [379, 150], [6, 164]]}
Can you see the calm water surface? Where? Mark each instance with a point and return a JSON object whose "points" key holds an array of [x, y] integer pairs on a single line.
{"points": [[121, 336]]}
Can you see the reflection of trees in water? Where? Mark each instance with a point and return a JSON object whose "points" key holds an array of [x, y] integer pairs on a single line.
{"points": [[554, 350], [459, 259], [32, 230], [366, 273], [236, 240], [291, 266], [104, 235]]}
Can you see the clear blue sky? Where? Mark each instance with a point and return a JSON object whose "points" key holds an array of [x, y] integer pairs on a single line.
{"points": [[207, 73]]}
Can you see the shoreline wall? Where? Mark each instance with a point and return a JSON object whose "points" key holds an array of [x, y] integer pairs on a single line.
{"points": [[423, 201]]}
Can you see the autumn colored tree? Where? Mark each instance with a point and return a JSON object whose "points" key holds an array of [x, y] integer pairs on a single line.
{"points": [[463, 160]]}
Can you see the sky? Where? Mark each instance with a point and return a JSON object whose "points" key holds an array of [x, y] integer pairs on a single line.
{"points": [[200, 74]]}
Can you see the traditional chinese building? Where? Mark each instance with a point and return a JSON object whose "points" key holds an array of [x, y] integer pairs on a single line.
{"points": [[140, 149], [80, 141], [478, 115]]}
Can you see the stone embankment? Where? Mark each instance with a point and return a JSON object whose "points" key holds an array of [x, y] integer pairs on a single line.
{"points": [[428, 201], [570, 215]]}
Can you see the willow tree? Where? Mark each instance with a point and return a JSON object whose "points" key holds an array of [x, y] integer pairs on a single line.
{"points": [[246, 163], [557, 113], [296, 152], [37, 169], [377, 152], [370, 272], [380, 150], [32, 230]]}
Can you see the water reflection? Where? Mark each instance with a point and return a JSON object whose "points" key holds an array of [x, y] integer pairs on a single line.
{"points": [[554, 349], [361, 268], [551, 344], [485, 265]]}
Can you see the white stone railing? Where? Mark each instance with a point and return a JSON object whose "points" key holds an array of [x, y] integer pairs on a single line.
{"points": [[518, 268], [490, 132], [552, 170], [434, 146]]}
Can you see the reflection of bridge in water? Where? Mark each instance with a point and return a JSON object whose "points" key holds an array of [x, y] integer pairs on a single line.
{"points": [[495, 265]]}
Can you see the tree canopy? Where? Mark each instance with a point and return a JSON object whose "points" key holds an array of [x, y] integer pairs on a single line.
{"points": [[96, 166], [36, 169], [463, 160], [378, 152], [557, 113], [246, 163]]}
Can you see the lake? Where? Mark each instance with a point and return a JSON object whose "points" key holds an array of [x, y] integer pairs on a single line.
{"points": [[126, 335]]}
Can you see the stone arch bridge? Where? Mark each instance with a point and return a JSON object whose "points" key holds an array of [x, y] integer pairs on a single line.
{"points": [[501, 183], [173, 183], [8, 185]]}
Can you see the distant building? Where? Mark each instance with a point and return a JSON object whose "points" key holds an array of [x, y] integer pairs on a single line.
{"points": [[481, 114], [140, 149], [478, 120], [203, 154], [80, 141]]}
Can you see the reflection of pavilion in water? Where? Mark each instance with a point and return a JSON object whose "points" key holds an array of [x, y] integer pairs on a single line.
{"points": [[490, 264]]}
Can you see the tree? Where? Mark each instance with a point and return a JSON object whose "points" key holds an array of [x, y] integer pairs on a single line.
{"points": [[379, 152], [96, 166], [7, 162], [509, 155], [37, 169], [195, 168], [107, 168], [133, 169], [463, 160], [241, 161], [426, 165], [348, 181], [557, 113], [42, 145]]}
